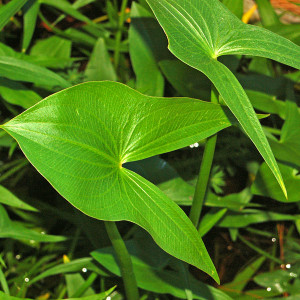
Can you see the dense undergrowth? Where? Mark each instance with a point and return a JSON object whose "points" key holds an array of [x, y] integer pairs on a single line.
{"points": [[51, 250]]}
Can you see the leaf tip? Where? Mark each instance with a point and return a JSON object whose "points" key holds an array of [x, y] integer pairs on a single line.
{"points": [[215, 276], [284, 191]]}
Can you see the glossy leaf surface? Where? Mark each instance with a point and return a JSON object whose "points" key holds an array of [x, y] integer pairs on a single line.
{"points": [[201, 31], [80, 138]]}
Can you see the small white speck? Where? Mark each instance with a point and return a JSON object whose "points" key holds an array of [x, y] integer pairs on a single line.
{"points": [[84, 270], [273, 240], [43, 232], [196, 145], [293, 274], [288, 266], [108, 298], [269, 289], [26, 279], [18, 256]]}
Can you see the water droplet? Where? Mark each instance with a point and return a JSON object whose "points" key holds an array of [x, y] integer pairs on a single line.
{"points": [[196, 145], [84, 270], [288, 266], [269, 289], [26, 279], [18, 256], [273, 240]]}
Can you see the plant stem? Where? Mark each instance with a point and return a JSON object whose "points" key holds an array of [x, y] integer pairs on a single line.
{"points": [[124, 261], [119, 34], [204, 173]]}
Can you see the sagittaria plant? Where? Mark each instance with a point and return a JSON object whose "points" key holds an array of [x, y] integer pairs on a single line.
{"points": [[81, 138]]}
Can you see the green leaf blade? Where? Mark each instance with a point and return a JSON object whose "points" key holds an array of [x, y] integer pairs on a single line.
{"points": [[199, 32], [257, 41], [31, 11], [79, 138], [145, 41], [238, 102], [179, 226], [9, 10], [20, 70]]}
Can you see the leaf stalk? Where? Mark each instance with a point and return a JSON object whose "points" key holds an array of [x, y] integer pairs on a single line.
{"points": [[124, 260], [205, 170]]}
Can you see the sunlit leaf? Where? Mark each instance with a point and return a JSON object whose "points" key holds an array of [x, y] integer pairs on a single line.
{"points": [[201, 31], [80, 138]]}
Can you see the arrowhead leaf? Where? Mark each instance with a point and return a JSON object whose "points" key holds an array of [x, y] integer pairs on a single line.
{"points": [[79, 138], [199, 31]]}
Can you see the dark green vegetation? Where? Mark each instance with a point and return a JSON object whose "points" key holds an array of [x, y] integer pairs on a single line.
{"points": [[129, 146]]}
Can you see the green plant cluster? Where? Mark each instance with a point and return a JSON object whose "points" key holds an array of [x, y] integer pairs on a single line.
{"points": [[171, 128]]}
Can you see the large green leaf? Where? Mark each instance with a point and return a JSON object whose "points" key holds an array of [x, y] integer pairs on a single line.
{"points": [[201, 31], [80, 138]]}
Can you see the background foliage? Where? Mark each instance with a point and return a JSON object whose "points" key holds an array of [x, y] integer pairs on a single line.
{"points": [[49, 250]]}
